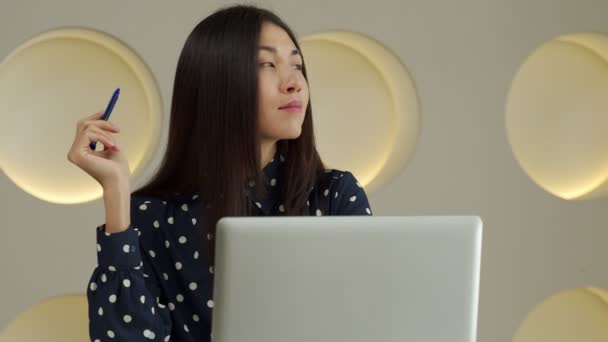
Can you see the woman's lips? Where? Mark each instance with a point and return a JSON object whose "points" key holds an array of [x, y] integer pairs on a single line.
{"points": [[293, 106], [292, 109]]}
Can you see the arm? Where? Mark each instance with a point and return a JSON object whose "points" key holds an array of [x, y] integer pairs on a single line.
{"points": [[122, 298]]}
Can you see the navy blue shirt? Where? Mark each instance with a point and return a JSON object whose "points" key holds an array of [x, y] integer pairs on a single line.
{"points": [[154, 283]]}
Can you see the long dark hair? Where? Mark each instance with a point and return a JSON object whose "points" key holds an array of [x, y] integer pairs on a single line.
{"points": [[212, 145]]}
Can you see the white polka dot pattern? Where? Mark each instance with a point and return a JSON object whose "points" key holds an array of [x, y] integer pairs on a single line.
{"points": [[148, 278]]}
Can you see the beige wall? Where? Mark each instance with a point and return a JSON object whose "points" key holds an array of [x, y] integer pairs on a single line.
{"points": [[462, 56]]}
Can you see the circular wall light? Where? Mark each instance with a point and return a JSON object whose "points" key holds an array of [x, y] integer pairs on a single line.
{"points": [[365, 105], [557, 116], [58, 319], [573, 315], [50, 82]]}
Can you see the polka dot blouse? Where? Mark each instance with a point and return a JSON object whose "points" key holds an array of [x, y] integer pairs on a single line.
{"points": [[154, 283]]}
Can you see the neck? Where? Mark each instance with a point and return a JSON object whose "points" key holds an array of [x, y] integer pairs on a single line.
{"points": [[267, 151]]}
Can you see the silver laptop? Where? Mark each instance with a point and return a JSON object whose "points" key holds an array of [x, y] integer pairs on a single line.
{"points": [[347, 279]]}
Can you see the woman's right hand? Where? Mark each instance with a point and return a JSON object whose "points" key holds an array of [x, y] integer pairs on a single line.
{"points": [[108, 167]]}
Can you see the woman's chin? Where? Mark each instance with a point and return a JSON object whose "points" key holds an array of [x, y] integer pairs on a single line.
{"points": [[292, 134]]}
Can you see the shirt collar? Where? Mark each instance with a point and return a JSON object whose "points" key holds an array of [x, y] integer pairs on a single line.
{"points": [[272, 184]]}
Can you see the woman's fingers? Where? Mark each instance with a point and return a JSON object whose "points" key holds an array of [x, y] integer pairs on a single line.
{"points": [[95, 120], [100, 138], [99, 130]]}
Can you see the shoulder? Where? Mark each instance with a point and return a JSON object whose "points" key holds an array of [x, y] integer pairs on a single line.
{"points": [[143, 201], [344, 192], [147, 211], [145, 204], [335, 179], [155, 211]]}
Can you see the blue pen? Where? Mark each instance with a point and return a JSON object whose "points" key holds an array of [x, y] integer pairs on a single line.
{"points": [[106, 114]]}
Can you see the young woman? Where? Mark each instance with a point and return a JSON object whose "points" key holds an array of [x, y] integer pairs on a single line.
{"points": [[240, 143]]}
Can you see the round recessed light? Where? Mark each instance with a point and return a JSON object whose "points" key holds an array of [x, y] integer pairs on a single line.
{"points": [[50, 82], [579, 314], [41, 322], [365, 105], [556, 116]]}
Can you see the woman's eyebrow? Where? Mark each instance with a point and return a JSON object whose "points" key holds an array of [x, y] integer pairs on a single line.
{"points": [[274, 50]]}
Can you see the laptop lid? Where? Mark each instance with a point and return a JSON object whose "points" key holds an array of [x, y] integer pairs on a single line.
{"points": [[346, 278]]}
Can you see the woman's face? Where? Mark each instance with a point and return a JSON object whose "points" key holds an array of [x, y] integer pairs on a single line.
{"points": [[280, 82]]}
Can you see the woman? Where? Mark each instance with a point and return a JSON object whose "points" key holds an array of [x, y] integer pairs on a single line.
{"points": [[240, 143]]}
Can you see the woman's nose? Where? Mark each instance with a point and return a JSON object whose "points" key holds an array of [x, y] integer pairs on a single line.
{"points": [[291, 83]]}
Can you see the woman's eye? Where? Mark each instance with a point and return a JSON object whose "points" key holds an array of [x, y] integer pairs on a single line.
{"points": [[297, 66]]}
